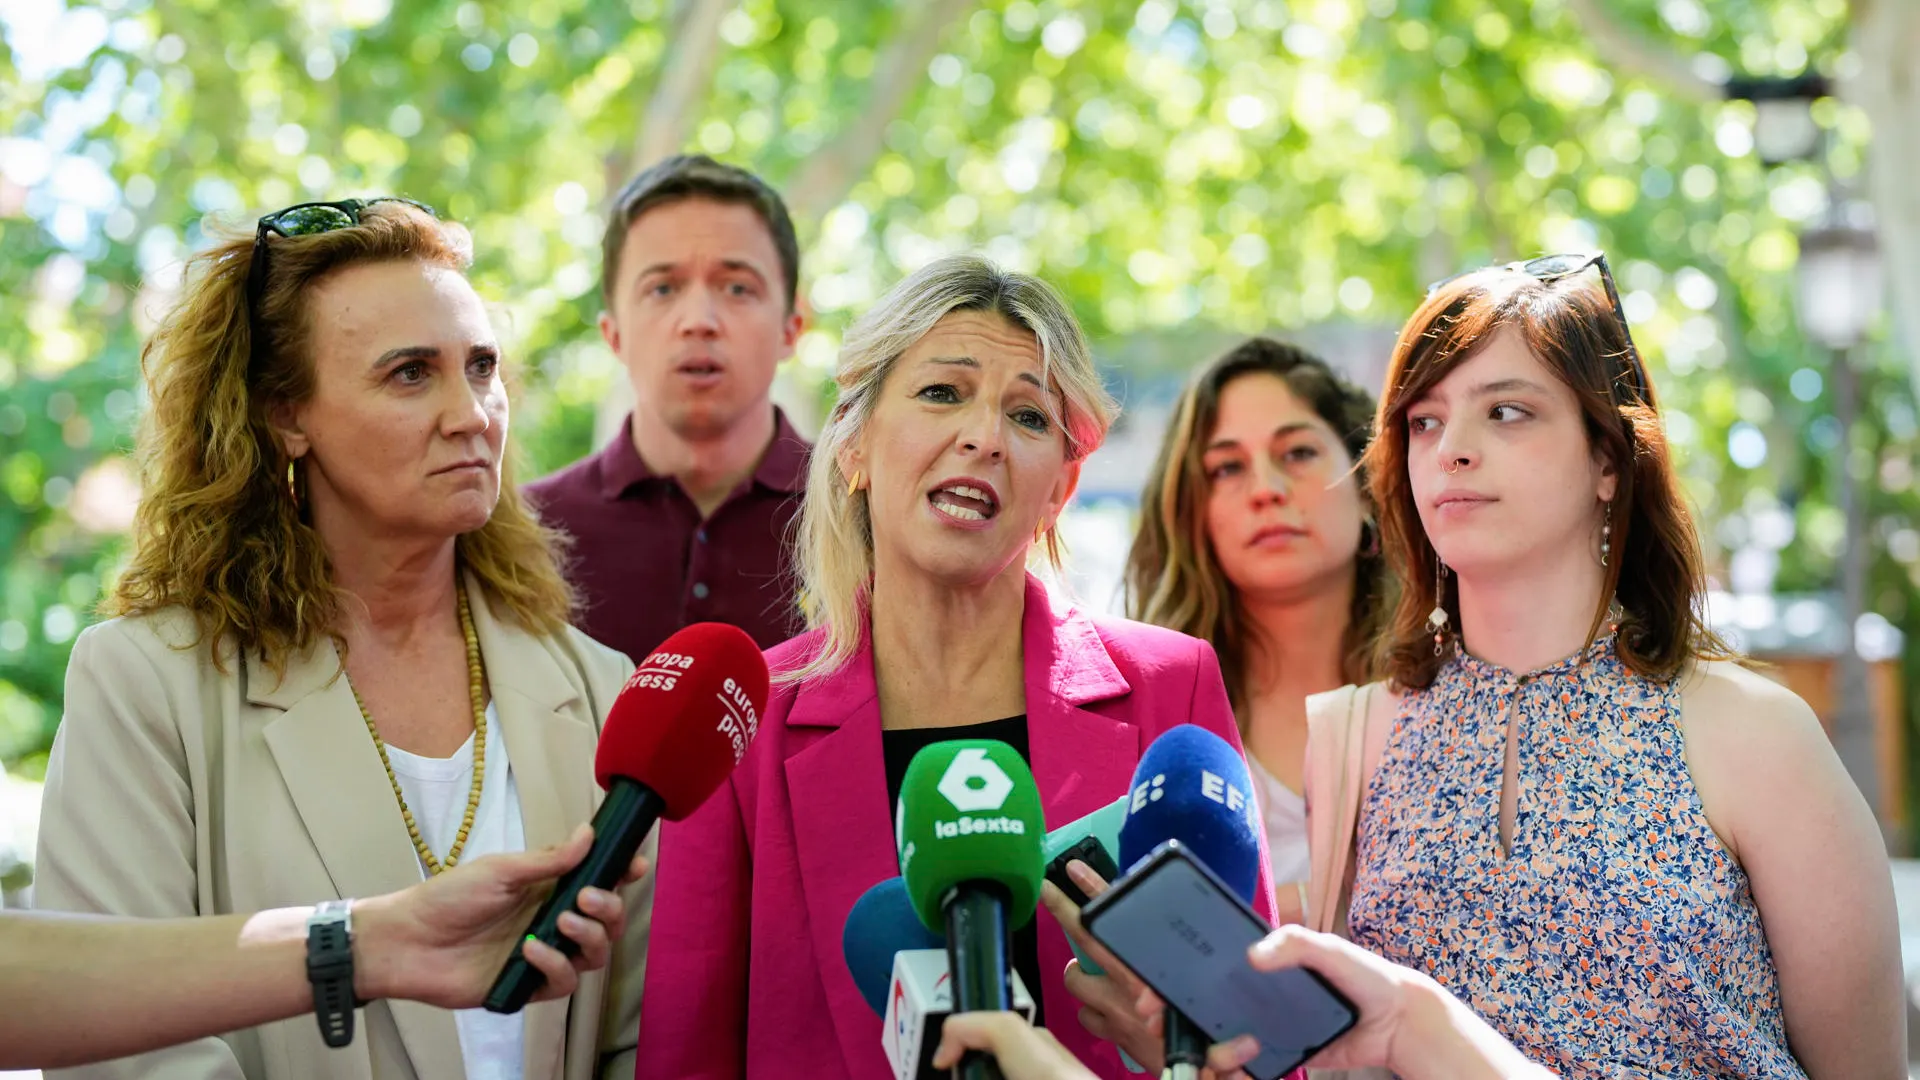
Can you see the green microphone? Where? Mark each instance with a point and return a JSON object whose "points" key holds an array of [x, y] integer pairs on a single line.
{"points": [[969, 831]]}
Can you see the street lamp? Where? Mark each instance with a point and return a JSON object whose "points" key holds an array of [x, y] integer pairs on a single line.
{"points": [[1839, 291], [1838, 279], [1783, 127]]}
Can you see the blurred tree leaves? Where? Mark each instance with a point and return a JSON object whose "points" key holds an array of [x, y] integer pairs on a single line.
{"points": [[1242, 164]]}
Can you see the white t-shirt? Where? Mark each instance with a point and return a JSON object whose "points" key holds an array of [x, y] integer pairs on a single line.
{"points": [[492, 1045], [1284, 813]]}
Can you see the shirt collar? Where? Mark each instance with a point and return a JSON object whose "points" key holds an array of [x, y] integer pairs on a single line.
{"points": [[782, 468]]}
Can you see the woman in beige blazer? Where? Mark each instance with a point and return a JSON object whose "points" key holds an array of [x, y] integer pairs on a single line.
{"points": [[341, 659]]}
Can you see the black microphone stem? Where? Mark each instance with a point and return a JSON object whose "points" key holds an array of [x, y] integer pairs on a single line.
{"points": [[978, 961], [1186, 1046], [625, 817]]}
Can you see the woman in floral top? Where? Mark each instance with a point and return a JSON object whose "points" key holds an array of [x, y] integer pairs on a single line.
{"points": [[1632, 856]]}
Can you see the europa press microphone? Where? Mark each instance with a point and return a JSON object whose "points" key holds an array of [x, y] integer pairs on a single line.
{"points": [[1193, 786], [900, 968], [678, 727], [968, 831]]}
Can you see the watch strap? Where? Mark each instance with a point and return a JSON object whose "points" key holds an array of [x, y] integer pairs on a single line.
{"points": [[330, 970]]}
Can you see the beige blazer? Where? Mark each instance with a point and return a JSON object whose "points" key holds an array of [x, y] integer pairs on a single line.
{"points": [[176, 789]]}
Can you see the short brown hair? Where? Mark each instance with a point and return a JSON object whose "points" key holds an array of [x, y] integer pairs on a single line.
{"points": [[217, 531], [1657, 571], [1173, 578], [696, 176]]}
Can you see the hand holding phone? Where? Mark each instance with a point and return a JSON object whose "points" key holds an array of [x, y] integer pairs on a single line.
{"points": [[1185, 935]]}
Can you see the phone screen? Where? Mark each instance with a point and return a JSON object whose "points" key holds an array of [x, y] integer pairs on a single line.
{"points": [[1183, 933]]}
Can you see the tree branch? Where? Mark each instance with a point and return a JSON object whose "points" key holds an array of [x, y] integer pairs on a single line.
{"points": [[691, 54], [1887, 89], [826, 177], [1634, 53]]}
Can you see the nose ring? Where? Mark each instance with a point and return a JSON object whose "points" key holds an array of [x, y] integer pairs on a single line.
{"points": [[1455, 469]]}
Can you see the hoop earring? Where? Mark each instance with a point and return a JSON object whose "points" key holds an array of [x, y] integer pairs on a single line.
{"points": [[853, 483], [1437, 619], [295, 487], [1606, 535]]}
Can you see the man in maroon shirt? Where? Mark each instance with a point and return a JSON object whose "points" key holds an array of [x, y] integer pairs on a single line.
{"points": [[683, 517]]}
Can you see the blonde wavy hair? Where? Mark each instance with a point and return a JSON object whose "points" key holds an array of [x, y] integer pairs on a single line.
{"points": [[218, 531], [833, 553]]}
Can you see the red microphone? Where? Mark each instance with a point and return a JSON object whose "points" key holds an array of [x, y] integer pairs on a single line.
{"points": [[681, 723]]}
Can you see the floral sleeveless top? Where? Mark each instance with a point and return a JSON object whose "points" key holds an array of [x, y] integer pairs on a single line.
{"points": [[1620, 938]]}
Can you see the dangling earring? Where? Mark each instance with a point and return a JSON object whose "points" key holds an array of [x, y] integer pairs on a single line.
{"points": [[853, 484], [1437, 620], [1606, 535], [1040, 534]]}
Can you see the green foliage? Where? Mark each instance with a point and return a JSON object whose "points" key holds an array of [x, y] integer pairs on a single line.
{"points": [[1239, 164]]}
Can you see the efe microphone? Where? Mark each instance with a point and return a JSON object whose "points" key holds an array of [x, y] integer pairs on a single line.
{"points": [[681, 723], [1193, 786], [968, 831]]}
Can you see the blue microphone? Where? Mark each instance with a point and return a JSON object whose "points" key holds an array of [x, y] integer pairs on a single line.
{"points": [[1193, 786], [881, 923]]}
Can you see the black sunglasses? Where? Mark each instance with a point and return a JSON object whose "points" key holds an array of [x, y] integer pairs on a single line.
{"points": [[1551, 268], [304, 219]]}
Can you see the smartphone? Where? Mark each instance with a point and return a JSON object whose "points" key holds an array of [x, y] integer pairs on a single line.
{"points": [[1088, 850], [1186, 935]]}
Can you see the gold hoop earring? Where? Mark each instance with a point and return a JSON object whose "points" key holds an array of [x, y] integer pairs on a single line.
{"points": [[853, 484]]}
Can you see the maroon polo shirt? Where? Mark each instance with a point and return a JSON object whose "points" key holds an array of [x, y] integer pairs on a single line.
{"points": [[645, 564]]}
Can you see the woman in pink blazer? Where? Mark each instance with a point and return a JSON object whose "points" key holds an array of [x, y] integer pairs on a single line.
{"points": [[967, 401]]}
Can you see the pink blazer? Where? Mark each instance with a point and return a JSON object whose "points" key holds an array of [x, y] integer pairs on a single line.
{"points": [[745, 974]]}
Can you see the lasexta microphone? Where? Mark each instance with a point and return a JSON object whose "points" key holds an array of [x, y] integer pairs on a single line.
{"points": [[902, 970], [1193, 786], [681, 723], [968, 831], [882, 923]]}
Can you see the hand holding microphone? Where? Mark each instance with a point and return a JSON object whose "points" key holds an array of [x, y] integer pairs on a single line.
{"points": [[1191, 786], [968, 832], [679, 726]]}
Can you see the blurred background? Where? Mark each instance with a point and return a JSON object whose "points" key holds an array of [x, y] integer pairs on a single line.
{"points": [[1187, 171]]}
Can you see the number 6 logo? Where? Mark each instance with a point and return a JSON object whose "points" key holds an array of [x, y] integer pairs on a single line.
{"points": [[974, 783]]}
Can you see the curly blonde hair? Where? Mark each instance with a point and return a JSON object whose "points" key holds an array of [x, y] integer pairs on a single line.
{"points": [[217, 531]]}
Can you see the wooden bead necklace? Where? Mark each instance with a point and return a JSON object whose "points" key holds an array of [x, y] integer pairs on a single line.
{"points": [[477, 692]]}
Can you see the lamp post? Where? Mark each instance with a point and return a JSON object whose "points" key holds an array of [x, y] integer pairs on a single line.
{"points": [[1838, 294], [1783, 125]]}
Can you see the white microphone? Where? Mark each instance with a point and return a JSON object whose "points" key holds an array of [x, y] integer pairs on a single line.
{"points": [[919, 1000]]}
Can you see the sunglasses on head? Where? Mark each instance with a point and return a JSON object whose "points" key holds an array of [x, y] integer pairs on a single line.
{"points": [[304, 219], [1551, 268]]}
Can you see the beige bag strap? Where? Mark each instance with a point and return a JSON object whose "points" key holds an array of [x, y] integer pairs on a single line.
{"points": [[1344, 741]]}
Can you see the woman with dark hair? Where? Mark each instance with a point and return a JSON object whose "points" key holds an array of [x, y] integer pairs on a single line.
{"points": [[1630, 855], [1256, 536]]}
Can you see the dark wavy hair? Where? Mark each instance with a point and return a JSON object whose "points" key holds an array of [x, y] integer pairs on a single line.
{"points": [[1657, 574], [1172, 576]]}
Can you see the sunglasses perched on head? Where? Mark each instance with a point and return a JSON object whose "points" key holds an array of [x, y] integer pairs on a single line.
{"points": [[304, 219], [1551, 268]]}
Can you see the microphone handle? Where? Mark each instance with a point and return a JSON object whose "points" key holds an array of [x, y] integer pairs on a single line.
{"points": [[978, 960], [625, 817], [1186, 1045]]}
